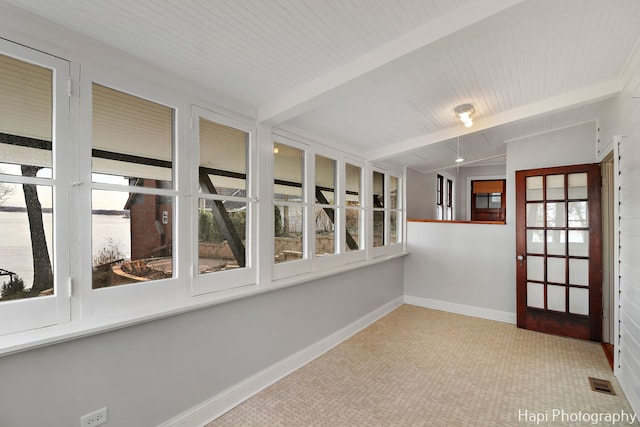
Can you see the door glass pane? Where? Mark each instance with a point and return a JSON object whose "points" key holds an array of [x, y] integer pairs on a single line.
{"points": [[556, 270], [556, 242], [535, 295], [579, 301], [26, 115], [535, 214], [221, 247], [535, 268], [325, 235], [26, 234], [288, 170], [579, 242], [288, 233], [535, 241], [132, 140], [325, 180], [556, 298], [556, 216], [578, 186], [579, 271], [223, 158], [555, 187], [578, 214], [534, 188]]}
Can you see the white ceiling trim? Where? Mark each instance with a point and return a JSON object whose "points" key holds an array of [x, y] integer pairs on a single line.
{"points": [[575, 98], [332, 84]]}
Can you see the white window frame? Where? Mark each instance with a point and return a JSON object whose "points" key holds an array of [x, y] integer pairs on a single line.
{"points": [[300, 266], [387, 248], [221, 280], [442, 214], [38, 312], [129, 298], [361, 253]]}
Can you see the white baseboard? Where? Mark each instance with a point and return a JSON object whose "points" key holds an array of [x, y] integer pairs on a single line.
{"points": [[467, 310], [224, 401]]}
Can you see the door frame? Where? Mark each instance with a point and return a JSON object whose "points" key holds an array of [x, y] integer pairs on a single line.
{"points": [[589, 328]]}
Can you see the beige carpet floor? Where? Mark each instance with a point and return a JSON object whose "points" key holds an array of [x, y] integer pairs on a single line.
{"points": [[422, 367]]}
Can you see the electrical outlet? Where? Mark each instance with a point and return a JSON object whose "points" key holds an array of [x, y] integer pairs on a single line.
{"points": [[95, 418]]}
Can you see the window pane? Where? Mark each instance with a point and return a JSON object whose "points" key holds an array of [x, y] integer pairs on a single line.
{"points": [[288, 169], [495, 201], [482, 201], [325, 236], [25, 116], [222, 228], [378, 190], [132, 139], [393, 227], [325, 180], [378, 228], [353, 185], [393, 192], [26, 241], [289, 223], [353, 229], [223, 159], [132, 236]]}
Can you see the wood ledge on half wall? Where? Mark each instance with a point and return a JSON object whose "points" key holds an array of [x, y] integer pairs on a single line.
{"points": [[456, 222]]}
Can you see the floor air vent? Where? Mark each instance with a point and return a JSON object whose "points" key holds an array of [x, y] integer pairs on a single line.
{"points": [[601, 386]]}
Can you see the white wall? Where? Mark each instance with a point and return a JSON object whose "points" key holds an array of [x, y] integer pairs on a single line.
{"points": [[421, 194], [150, 373], [463, 268], [623, 118]]}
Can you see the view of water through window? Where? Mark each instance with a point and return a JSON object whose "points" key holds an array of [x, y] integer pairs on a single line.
{"points": [[16, 250]]}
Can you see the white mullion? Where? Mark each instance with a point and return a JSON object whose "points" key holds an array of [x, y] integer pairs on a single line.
{"points": [[21, 179], [134, 189]]}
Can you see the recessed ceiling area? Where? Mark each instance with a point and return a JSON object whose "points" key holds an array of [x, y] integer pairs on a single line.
{"points": [[383, 78]]}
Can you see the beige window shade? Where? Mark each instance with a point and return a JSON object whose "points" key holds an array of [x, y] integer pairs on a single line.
{"points": [[131, 126], [26, 94], [288, 167], [223, 147], [484, 187]]}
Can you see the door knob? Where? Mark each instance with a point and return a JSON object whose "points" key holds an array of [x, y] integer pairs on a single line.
{"points": [[520, 258]]}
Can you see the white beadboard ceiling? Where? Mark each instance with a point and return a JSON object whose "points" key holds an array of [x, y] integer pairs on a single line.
{"points": [[382, 77]]}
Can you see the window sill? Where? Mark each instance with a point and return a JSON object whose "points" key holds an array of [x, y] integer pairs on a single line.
{"points": [[457, 222], [36, 338]]}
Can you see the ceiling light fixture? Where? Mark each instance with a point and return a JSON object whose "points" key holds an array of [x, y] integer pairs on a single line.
{"points": [[464, 112]]}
